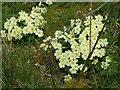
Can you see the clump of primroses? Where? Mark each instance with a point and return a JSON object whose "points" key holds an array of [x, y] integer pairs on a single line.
{"points": [[72, 46], [26, 24]]}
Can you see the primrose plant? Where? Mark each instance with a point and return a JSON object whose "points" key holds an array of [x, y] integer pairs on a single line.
{"points": [[72, 46], [26, 24]]}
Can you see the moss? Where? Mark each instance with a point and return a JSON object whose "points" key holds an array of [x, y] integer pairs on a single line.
{"points": [[75, 83]]}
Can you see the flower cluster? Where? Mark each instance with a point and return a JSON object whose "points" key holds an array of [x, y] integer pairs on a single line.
{"points": [[33, 23], [106, 64], [49, 2], [72, 47], [45, 46], [67, 77]]}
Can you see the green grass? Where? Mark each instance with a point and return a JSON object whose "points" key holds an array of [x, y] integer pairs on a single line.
{"points": [[19, 59]]}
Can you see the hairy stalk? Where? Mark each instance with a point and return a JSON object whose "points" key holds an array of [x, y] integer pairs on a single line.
{"points": [[54, 85], [96, 85], [90, 25]]}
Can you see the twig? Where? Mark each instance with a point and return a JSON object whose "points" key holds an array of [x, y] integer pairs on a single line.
{"points": [[94, 46], [86, 61], [97, 40], [97, 9]]}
